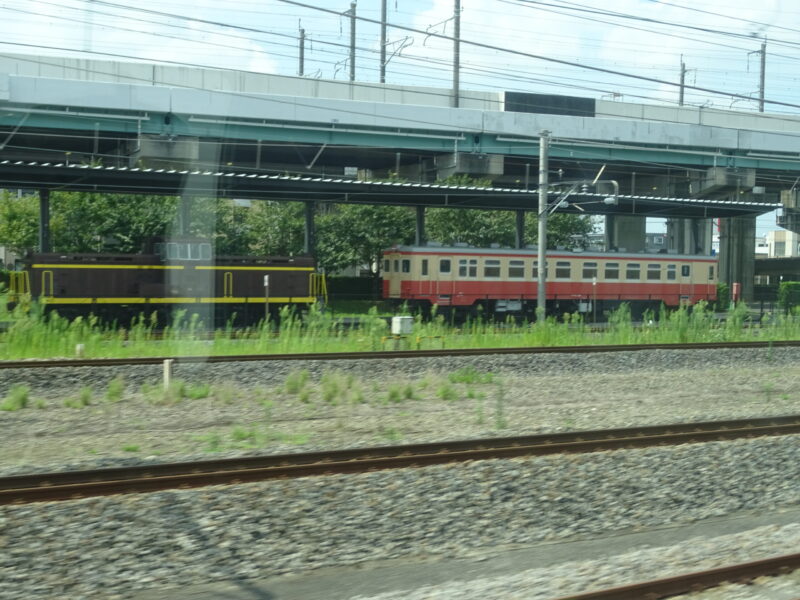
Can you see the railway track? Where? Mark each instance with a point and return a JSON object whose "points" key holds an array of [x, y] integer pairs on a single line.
{"points": [[110, 362], [694, 582], [100, 482]]}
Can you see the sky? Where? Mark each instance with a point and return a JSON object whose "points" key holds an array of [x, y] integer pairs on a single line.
{"points": [[717, 40]]}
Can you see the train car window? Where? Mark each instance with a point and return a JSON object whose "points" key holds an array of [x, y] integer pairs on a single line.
{"points": [[685, 270], [205, 251], [159, 249], [536, 269], [183, 251], [444, 265], [516, 269], [468, 267], [194, 251], [589, 270], [632, 271], [172, 250], [424, 266], [406, 263], [612, 271], [563, 270], [711, 271], [387, 266], [491, 268], [671, 273], [396, 266], [653, 272]]}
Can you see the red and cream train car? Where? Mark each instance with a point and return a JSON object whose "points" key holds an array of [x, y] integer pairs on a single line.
{"points": [[505, 281]]}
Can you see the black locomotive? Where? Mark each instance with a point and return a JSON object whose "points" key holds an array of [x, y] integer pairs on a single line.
{"points": [[173, 274]]}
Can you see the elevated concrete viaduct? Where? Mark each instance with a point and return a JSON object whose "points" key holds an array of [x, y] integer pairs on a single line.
{"points": [[111, 126]]}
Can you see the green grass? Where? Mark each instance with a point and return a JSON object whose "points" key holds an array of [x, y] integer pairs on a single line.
{"points": [[18, 398], [470, 375], [34, 336], [116, 388], [130, 448], [84, 398]]}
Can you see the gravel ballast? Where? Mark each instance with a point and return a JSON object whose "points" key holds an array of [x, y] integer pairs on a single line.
{"points": [[110, 547], [644, 564], [249, 409]]}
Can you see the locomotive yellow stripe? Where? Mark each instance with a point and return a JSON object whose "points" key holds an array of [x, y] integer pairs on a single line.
{"points": [[217, 268], [66, 266]]}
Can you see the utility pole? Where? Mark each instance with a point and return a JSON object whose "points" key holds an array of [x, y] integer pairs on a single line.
{"points": [[456, 52], [541, 296], [383, 41], [352, 41], [683, 81], [762, 78], [301, 66]]}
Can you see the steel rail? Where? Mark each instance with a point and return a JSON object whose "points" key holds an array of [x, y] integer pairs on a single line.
{"points": [[154, 360], [149, 478], [694, 582]]}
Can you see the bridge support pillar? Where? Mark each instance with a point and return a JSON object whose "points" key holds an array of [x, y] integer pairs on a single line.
{"points": [[419, 231], [625, 233], [309, 232], [519, 233], [737, 238], [689, 236], [44, 220]]}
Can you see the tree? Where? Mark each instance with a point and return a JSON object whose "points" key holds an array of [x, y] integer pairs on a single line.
{"points": [[357, 234]]}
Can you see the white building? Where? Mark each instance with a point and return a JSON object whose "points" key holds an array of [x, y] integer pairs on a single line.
{"points": [[782, 243]]}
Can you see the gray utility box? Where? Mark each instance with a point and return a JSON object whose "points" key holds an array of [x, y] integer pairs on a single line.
{"points": [[402, 325]]}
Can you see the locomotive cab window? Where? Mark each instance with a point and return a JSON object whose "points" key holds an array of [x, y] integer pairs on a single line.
{"points": [[396, 266], [589, 270], [612, 271], [563, 270], [516, 269], [491, 268], [406, 264], [444, 265], [671, 273], [654, 272], [424, 266], [685, 270], [387, 266], [632, 271]]}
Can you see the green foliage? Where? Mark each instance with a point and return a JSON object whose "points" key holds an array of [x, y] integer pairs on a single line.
{"points": [[447, 392], [130, 448], [116, 388], [84, 398], [789, 294], [296, 381], [197, 391], [470, 375], [723, 296], [18, 398], [394, 394]]}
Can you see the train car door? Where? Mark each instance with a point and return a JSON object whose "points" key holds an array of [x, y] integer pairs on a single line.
{"points": [[425, 279], [396, 276], [444, 281], [686, 286]]}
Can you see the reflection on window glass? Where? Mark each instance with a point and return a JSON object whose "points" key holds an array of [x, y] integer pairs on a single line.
{"points": [[205, 251], [516, 269], [172, 250], [491, 268], [562, 270]]}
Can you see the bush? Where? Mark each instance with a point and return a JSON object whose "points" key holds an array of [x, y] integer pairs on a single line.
{"points": [[789, 294], [18, 398]]}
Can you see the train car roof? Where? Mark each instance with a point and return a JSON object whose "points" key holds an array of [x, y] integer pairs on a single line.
{"points": [[532, 252]]}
